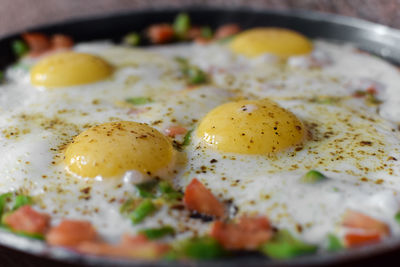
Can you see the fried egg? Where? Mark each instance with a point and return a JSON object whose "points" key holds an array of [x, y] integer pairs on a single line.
{"points": [[274, 107]]}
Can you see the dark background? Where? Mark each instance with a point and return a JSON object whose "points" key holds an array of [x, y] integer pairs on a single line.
{"points": [[16, 15]]}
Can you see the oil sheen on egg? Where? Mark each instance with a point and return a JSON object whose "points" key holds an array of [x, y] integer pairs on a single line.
{"points": [[70, 148]]}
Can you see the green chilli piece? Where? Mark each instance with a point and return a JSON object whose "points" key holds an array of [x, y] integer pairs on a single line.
{"points": [[132, 39], [20, 48], [168, 192], [196, 75], [21, 200], [284, 246], [325, 100], [1, 76], [334, 243], [187, 138], [3, 201], [206, 32], [181, 24], [157, 233], [201, 248], [20, 233], [372, 99], [193, 74], [143, 210], [312, 177], [139, 100], [397, 217], [181, 61], [147, 189], [128, 206]]}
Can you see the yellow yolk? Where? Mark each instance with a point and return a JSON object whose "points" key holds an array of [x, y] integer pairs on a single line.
{"points": [[278, 41], [251, 127], [69, 69], [111, 149]]}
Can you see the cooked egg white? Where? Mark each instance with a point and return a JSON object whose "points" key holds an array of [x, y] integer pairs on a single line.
{"points": [[54, 142]]}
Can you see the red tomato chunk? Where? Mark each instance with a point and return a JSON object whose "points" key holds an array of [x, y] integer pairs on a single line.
{"points": [[198, 198], [160, 33], [38, 43], [60, 41], [27, 220], [363, 229], [173, 131], [248, 234], [71, 233], [227, 30], [136, 247]]}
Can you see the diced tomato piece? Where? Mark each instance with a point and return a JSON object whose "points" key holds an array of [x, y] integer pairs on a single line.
{"points": [[358, 220], [160, 33], [60, 41], [202, 40], [136, 247], [198, 198], [357, 239], [133, 239], [27, 220], [193, 33], [173, 131], [372, 90], [227, 30], [71, 233], [249, 233], [38, 43]]}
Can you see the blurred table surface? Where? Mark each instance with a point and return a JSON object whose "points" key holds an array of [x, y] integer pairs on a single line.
{"points": [[17, 15]]}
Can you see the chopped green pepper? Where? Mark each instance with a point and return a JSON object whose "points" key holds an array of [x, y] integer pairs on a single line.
{"points": [[1, 76], [143, 210], [138, 100], [284, 246], [202, 248], [24, 234], [397, 217], [372, 99], [181, 24], [312, 177], [168, 192], [334, 243], [128, 206], [171, 255], [181, 60], [193, 74], [146, 189], [156, 233], [206, 32], [21, 200], [196, 75], [325, 100], [20, 48], [3, 201], [187, 138], [132, 39]]}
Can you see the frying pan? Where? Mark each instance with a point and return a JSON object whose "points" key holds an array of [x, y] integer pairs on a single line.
{"points": [[374, 38]]}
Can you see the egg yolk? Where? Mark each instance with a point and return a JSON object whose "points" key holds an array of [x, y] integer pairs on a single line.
{"points": [[69, 69], [251, 127], [111, 149], [278, 41]]}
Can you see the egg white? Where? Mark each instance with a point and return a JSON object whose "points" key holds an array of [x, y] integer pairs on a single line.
{"points": [[349, 141]]}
